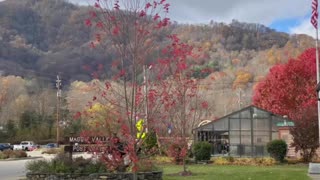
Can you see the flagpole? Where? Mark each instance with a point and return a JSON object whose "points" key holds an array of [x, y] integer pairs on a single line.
{"points": [[318, 77], [314, 22]]}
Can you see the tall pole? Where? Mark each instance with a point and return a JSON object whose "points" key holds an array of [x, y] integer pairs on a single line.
{"points": [[318, 77], [239, 98], [146, 96], [58, 86]]}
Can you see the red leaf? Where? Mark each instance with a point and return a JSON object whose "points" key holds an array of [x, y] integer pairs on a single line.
{"points": [[88, 22], [116, 30], [96, 5], [142, 13], [148, 5], [156, 17], [77, 115], [204, 105]]}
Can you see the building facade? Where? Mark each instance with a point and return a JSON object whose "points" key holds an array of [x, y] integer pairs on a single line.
{"points": [[242, 133]]}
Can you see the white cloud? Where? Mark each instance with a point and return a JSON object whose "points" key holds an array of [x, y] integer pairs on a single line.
{"points": [[305, 27], [255, 11]]}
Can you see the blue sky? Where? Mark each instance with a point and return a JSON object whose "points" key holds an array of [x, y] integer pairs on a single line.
{"points": [[291, 16], [285, 25]]}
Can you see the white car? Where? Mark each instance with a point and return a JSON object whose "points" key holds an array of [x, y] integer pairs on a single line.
{"points": [[25, 145]]}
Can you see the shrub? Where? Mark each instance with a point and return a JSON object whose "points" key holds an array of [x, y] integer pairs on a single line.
{"points": [[62, 167], [39, 166], [52, 151], [18, 154], [162, 159], [221, 161], [145, 165], [293, 161], [150, 141], [178, 151], [97, 167], [277, 149], [244, 161], [265, 161], [3, 155], [202, 151], [62, 164], [13, 154]]}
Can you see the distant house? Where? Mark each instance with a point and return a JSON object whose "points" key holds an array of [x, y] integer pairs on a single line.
{"points": [[243, 133]]}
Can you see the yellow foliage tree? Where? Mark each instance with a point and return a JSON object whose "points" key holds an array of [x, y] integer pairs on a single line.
{"points": [[99, 118], [242, 79]]}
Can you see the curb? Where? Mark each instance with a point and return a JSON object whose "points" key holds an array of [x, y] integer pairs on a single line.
{"points": [[16, 159]]}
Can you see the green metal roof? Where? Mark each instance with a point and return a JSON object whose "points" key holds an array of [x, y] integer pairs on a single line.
{"points": [[285, 124]]}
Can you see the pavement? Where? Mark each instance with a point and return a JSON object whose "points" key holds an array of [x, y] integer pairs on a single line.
{"points": [[14, 169], [38, 153], [315, 176]]}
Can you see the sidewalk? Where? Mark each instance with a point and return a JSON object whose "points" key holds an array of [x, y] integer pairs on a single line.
{"points": [[38, 153], [315, 176]]}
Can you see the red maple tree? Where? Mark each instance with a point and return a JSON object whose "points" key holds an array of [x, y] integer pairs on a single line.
{"points": [[305, 133], [133, 31], [290, 89]]}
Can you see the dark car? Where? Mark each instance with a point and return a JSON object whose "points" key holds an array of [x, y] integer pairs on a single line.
{"points": [[4, 147], [51, 145]]}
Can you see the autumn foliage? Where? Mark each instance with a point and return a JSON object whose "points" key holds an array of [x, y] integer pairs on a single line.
{"points": [[156, 93], [289, 87], [305, 133]]}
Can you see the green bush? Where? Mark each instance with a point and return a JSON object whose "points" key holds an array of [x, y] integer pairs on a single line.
{"points": [[202, 151], [277, 149], [150, 141], [39, 166], [63, 164]]}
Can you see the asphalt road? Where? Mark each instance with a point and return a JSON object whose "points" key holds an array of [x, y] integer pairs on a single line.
{"points": [[13, 170]]}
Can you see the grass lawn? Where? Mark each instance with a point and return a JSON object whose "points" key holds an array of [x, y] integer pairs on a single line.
{"points": [[214, 172]]}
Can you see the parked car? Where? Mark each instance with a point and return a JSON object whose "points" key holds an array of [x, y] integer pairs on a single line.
{"points": [[8, 145], [4, 147], [51, 145], [25, 145]]}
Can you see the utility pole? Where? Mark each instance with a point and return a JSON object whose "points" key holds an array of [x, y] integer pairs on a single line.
{"points": [[239, 98], [58, 86], [146, 96], [145, 78]]}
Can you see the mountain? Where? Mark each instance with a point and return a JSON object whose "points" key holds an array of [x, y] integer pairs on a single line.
{"points": [[46, 37]]}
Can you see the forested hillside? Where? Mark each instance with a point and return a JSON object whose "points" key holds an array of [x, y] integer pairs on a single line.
{"points": [[41, 38]]}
